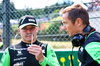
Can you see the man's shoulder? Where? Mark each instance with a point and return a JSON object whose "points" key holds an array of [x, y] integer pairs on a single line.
{"points": [[41, 43], [95, 35]]}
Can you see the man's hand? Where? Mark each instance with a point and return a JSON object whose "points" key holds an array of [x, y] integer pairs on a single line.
{"points": [[37, 51]]}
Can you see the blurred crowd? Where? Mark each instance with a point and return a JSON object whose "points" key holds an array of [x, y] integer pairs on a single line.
{"points": [[94, 6]]}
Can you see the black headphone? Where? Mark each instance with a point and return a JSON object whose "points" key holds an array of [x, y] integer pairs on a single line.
{"points": [[78, 39]]}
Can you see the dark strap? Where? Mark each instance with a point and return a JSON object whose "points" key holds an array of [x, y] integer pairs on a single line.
{"points": [[46, 50], [71, 56], [71, 59]]}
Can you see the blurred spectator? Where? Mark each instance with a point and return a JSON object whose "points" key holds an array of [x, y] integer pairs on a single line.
{"points": [[90, 6], [1, 42], [98, 6], [94, 5], [44, 19]]}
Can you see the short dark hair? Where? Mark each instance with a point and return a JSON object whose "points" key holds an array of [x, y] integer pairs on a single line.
{"points": [[76, 11]]}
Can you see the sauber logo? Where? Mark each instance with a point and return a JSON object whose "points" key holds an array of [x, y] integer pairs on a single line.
{"points": [[19, 53]]}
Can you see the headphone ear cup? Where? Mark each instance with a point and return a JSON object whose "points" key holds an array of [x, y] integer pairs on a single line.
{"points": [[77, 40]]}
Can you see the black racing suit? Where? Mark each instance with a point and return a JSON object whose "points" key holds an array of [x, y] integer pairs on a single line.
{"points": [[18, 54], [89, 52]]}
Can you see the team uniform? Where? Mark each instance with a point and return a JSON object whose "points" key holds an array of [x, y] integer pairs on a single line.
{"points": [[18, 55], [89, 52]]}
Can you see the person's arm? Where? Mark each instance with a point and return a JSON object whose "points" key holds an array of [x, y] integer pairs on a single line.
{"points": [[51, 59], [5, 60], [93, 50]]}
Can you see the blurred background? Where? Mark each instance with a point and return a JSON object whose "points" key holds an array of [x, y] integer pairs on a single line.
{"points": [[47, 15]]}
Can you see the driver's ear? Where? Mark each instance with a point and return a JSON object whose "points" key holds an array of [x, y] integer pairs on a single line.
{"points": [[78, 22]]}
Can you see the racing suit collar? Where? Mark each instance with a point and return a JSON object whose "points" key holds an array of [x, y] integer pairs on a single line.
{"points": [[28, 44]]}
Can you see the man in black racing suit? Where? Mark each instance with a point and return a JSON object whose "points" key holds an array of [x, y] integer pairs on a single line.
{"points": [[29, 52]]}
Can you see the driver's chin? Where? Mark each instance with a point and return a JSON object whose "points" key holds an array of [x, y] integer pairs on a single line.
{"points": [[29, 41]]}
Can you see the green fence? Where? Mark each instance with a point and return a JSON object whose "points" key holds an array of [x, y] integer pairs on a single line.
{"points": [[64, 58]]}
